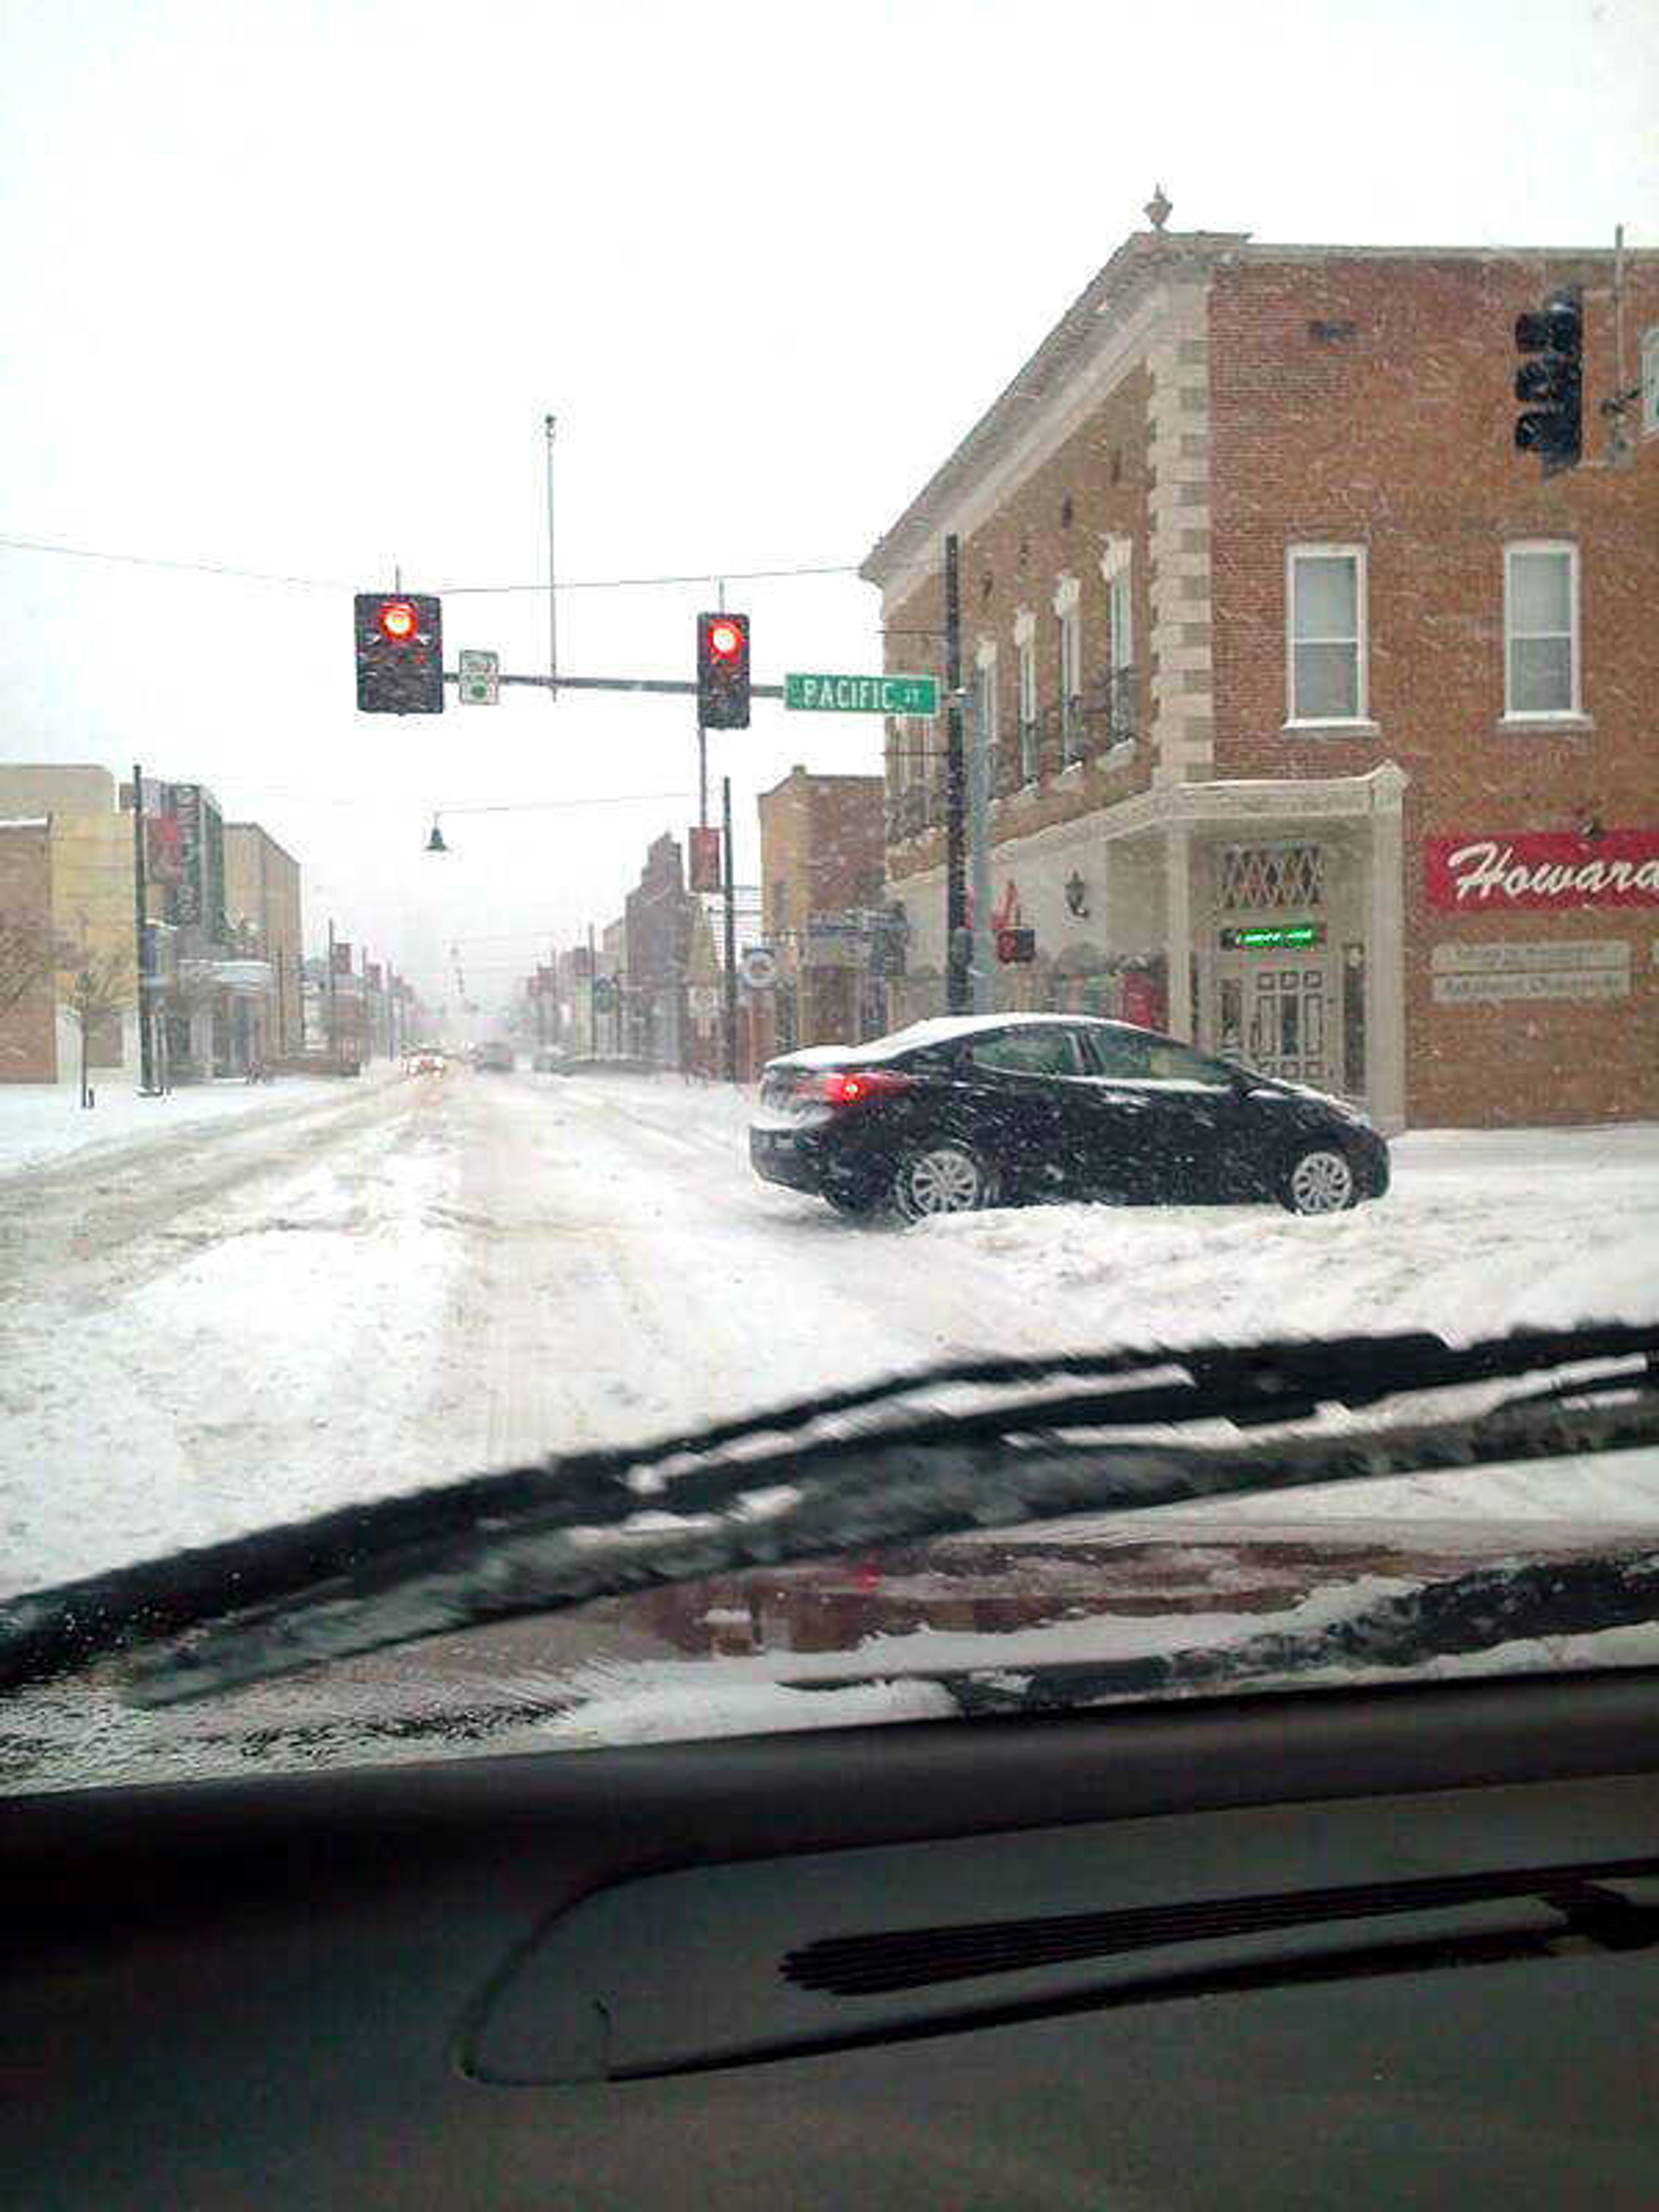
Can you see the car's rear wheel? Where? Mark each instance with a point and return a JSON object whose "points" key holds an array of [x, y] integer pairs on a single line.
{"points": [[942, 1178], [1320, 1181]]}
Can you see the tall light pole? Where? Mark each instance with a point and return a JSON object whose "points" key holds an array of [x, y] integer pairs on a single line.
{"points": [[549, 424]]}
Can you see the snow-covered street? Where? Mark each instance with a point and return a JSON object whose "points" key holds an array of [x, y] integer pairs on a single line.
{"points": [[310, 1295]]}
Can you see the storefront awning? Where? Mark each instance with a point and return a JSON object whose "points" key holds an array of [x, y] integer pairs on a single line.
{"points": [[245, 978]]}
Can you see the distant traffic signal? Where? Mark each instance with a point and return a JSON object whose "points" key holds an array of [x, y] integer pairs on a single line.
{"points": [[1015, 946], [723, 671], [400, 653], [1551, 381]]}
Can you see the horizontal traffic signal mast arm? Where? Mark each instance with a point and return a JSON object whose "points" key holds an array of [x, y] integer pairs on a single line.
{"points": [[562, 682]]}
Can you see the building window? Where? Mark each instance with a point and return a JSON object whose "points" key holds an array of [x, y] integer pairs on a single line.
{"points": [[1069, 658], [1541, 630], [1025, 641], [1651, 382], [1326, 588], [1120, 700], [985, 694], [1254, 879]]}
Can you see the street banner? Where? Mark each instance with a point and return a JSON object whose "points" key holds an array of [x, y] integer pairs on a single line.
{"points": [[705, 859]]}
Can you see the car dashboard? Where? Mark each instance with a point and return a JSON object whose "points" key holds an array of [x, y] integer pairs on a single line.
{"points": [[1379, 1945]]}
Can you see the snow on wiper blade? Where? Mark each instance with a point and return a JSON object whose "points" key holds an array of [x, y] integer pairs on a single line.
{"points": [[804, 1481], [1469, 1613]]}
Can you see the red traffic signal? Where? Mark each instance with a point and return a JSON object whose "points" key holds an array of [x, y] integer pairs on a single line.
{"points": [[723, 671], [398, 620], [400, 652]]}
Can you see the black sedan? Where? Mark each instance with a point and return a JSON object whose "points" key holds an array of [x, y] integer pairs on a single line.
{"points": [[993, 1109]]}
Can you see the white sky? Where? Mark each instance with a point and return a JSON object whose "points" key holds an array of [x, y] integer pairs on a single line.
{"points": [[290, 286]]}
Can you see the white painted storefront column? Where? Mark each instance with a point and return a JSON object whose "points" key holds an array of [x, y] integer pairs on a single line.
{"points": [[1385, 965], [1178, 930]]}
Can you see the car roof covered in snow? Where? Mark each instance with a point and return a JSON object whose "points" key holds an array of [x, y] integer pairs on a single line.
{"points": [[938, 1029]]}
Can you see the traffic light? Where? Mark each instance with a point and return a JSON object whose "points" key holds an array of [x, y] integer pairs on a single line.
{"points": [[1015, 946], [723, 671], [400, 653], [1550, 381]]}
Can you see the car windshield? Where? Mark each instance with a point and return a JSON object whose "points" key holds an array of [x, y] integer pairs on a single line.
{"points": [[697, 712]]}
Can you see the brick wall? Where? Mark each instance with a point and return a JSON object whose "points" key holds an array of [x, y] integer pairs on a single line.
{"points": [[1390, 427], [28, 1042], [1056, 522]]}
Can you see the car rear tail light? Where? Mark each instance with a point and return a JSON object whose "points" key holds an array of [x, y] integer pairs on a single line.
{"points": [[851, 1086]]}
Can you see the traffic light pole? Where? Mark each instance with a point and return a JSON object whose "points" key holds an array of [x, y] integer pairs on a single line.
{"points": [[658, 683], [730, 918], [979, 848], [957, 952]]}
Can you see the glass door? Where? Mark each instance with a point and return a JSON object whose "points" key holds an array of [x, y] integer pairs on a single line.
{"points": [[1286, 1030]]}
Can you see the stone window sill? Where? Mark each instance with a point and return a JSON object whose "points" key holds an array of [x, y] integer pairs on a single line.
{"points": [[1346, 727], [1545, 725]]}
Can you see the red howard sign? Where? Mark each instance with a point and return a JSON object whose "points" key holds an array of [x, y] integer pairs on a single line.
{"points": [[1543, 868]]}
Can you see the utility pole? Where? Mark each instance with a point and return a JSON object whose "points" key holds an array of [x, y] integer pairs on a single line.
{"points": [[731, 939], [979, 843], [592, 998], [333, 1032], [957, 952], [549, 424], [140, 901]]}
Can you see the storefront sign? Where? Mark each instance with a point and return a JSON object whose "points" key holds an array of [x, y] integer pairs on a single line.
{"points": [[1484, 974], [1291, 936], [183, 803], [1542, 869]]}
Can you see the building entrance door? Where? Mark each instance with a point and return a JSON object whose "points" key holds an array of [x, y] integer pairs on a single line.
{"points": [[1272, 1014]]}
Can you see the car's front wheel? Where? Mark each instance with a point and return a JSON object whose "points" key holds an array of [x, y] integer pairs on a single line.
{"points": [[942, 1178], [1320, 1180]]}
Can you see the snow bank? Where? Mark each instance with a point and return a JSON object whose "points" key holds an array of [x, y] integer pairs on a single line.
{"points": [[42, 1122]]}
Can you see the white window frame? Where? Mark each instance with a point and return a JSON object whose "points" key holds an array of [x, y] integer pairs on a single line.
{"points": [[1648, 357], [1031, 756], [1068, 612], [1117, 569], [1574, 711], [1361, 719], [985, 670]]}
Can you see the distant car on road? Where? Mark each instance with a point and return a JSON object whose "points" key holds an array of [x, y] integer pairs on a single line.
{"points": [[985, 1110], [497, 1057], [548, 1061]]}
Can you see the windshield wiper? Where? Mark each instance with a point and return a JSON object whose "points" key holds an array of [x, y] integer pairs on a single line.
{"points": [[810, 1479], [1463, 1615]]}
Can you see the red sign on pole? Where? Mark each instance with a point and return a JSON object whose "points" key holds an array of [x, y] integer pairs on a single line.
{"points": [[705, 859], [1533, 869]]}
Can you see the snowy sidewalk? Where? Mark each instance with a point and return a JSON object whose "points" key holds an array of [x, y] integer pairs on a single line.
{"points": [[42, 1122]]}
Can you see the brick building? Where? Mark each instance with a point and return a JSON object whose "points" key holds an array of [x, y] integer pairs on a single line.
{"points": [[1322, 725], [661, 915], [822, 875], [264, 918], [29, 986], [87, 882]]}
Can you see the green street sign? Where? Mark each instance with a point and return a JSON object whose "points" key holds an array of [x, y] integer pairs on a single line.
{"points": [[862, 695]]}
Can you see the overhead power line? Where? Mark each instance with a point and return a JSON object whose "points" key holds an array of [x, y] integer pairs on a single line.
{"points": [[338, 584]]}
